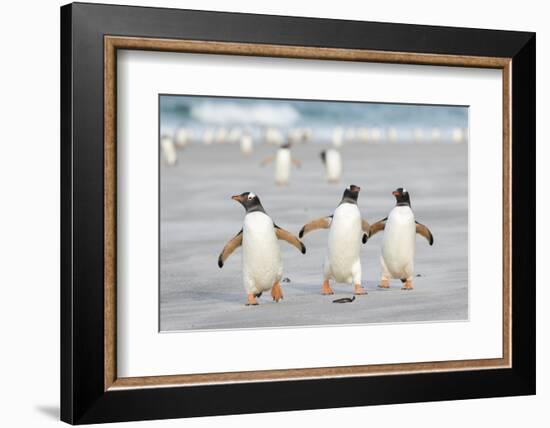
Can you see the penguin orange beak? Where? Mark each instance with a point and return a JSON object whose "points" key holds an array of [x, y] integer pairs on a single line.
{"points": [[354, 188], [395, 193], [237, 198]]}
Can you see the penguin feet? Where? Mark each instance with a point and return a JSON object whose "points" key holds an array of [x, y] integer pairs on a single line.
{"points": [[276, 292], [251, 300], [385, 283], [358, 290], [408, 285], [326, 290]]}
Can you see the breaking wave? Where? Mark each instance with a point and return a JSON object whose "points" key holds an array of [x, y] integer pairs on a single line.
{"points": [[245, 113]]}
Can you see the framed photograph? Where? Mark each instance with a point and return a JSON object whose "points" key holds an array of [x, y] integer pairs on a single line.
{"points": [[267, 213]]}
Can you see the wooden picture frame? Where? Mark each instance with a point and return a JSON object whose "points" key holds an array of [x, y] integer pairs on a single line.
{"points": [[90, 389]]}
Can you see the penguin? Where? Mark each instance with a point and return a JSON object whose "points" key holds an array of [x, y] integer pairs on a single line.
{"points": [[208, 137], [262, 262], [346, 230], [398, 247], [221, 135], [168, 150], [283, 160], [235, 134], [338, 137], [182, 137], [274, 136], [246, 144], [333, 164]]}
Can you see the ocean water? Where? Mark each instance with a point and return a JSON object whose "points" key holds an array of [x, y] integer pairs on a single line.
{"points": [[409, 121]]}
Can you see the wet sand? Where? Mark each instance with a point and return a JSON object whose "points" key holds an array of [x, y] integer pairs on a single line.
{"points": [[198, 217]]}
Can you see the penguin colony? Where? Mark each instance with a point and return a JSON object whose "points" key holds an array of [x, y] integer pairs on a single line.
{"points": [[262, 264]]}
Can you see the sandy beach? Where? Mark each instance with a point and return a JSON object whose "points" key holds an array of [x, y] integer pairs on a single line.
{"points": [[198, 217]]}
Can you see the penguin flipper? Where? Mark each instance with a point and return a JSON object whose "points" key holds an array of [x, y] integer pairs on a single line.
{"points": [[285, 235], [365, 227], [231, 246], [320, 223], [425, 232], [377, 227]]}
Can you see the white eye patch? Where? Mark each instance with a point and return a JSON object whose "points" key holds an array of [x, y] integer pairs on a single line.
{"points": [[404, 190], [251, 196]]}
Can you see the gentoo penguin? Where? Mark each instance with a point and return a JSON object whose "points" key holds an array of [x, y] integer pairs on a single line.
{"points": [[398, 247], [168, 150], [274, 136], [221, 135], [283, 159], [262, 263], [234, 135], [346, 227], [246, 144], [182, 137], [208, 137], [333, 164], [337, 137]]}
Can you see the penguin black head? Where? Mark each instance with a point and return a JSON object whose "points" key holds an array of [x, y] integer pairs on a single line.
{"points": [[402, 197], [351, 194], [249, 201], [323, 155], [286, 145]]}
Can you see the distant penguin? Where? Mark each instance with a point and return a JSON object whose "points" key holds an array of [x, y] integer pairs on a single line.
{"points": [[274, 136], [262, 262], [283, 160], [350, 134], [168, 150], [436, 135], [457, 135], [393, 135], [333, 164], [235, 135], [246, 144], [182, 137], [376, 135], [337, 137], [346, 227], [418, 134], [398, 247], [208, 137], [221, 135]]}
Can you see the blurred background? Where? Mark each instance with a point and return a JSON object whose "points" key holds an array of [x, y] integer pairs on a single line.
{"points": [[224, 120]]}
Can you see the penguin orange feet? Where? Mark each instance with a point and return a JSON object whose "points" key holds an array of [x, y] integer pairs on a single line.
{"points": [[358, 290], [385, 283], [276, 292], [251, 300], [326, 290], [408, 285]]}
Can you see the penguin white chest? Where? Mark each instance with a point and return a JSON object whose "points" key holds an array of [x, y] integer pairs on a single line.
{"points": [[262, 262], [333, 165], [344, 243], [282, 166], [398, 247]]}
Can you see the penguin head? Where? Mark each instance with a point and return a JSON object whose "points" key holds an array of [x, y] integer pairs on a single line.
{"points": [[351, 194], [401, 197], [285, 145], [249, 201]]}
